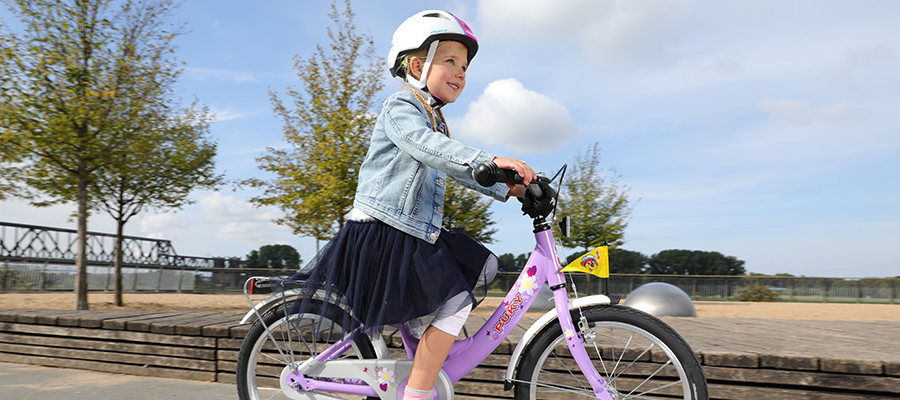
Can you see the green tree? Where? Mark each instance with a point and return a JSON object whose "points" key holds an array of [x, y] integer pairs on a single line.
{"points": [[623, 261], [508, 259], [514, 263], [165, 158], [694, 262], [328, 132], [275, 256], [69, 84], [758, 292], [468, 209], [596, 202]]}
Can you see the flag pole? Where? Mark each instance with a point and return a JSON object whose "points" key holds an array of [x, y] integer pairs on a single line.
{"points": [[606, 280]]}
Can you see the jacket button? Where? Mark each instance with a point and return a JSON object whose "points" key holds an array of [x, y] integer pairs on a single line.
{"points": [[433, 236], [440, 209], [440, 182]]}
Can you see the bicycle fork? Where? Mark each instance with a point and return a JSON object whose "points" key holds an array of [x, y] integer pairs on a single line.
{"points": [[575, 340]]}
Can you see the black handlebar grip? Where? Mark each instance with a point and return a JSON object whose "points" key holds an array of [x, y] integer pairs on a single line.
{"points": [[487, 174]]}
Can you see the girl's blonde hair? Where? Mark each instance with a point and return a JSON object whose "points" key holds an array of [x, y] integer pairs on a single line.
{"points": [[406, 60], [432, 112], [406, 65]]}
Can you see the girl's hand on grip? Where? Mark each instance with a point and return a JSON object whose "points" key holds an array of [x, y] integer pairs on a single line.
{"points": [[521, 168]]}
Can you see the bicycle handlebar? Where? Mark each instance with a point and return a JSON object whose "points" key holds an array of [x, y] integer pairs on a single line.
{"points": [[487, 174]]}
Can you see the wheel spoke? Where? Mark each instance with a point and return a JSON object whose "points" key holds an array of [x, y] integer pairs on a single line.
{"points": [[632, 373], [258, 371], [651, 377], [276, 342], [641, 395], [572, 374], [635, 360], [557, 388]]}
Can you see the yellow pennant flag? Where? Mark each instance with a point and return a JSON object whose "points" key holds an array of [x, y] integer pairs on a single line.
{"points": [[595, 262]]}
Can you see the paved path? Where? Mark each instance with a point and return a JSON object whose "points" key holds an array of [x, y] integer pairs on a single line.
{"points": [[34, 382], [855, 340]]}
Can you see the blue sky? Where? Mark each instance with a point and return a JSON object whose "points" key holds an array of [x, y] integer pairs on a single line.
{"points": [[765, 130]]}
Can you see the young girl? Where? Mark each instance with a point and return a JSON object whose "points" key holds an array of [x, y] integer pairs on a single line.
{"points": [[392, 261]]}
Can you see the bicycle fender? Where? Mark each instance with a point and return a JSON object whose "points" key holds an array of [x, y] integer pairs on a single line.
{"points": [[265, 305], [381, 350], [274, 300], [546, 319]]}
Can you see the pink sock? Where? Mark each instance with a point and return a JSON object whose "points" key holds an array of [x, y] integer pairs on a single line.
{"points": [[416, 394]]}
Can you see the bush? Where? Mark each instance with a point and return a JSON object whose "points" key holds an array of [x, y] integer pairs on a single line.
{"points": [[757, 292]]}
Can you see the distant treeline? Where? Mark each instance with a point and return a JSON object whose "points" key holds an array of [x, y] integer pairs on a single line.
{"points": [[675, 262]]}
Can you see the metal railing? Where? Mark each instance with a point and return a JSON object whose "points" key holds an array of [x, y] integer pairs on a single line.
{"points": [[727, 288], [37, 277], [49, 277]]}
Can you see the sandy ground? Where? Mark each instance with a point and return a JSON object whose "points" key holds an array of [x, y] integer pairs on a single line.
{"points": [[238, 303]]}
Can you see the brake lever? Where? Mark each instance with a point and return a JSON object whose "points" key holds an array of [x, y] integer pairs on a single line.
{"points": [[534, 186], [535, 190]]}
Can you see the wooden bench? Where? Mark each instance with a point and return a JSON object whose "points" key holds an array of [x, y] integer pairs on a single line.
{"points": [[742, 358]]}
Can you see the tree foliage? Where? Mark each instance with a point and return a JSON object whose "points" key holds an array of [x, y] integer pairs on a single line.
{"points": [[694, 262], [71, 86], [623, 261], [274, 256], [327, 129], [596, 202], [514, 263], [757, 292], [164, 158], [468, 209]]}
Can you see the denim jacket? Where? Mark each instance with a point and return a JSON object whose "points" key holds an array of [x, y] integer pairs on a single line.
{"points": [[403, 178]]}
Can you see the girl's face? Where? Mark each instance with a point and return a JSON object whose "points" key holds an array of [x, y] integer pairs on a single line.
{"points": [[447, 75]]}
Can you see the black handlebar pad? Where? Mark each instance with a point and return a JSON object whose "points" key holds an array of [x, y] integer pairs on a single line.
{"points": [[487, 174], [540, 198]]}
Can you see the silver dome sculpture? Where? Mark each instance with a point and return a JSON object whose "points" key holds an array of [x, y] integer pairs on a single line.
{"points": [[543, 301], [662, 300]]}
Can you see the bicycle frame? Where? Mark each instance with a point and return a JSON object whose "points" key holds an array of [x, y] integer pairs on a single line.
{"points": [[542, 267]]}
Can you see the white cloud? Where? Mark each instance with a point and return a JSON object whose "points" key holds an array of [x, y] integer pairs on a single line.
{"points": [[156, 226], [217, 207], [228, 114], [518, 119], [618, 33], [802, 112], [864, 56], [208, 74], [236, 219]]}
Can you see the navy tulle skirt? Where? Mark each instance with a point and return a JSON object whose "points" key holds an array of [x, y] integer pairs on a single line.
{"points": [[388, 277]]}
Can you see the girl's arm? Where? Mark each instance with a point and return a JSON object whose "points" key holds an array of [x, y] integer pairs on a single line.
{"points": [[407, 128]]}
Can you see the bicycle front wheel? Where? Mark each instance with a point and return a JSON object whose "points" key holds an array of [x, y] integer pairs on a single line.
{"points": [[277, 341], [639, 356]]}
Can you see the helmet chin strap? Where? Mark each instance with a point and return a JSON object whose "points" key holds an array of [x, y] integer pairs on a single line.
{"points": [[420, 84]]}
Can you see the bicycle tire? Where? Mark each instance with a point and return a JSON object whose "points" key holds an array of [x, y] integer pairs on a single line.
{"points": [[259, 363], [639, 356]]}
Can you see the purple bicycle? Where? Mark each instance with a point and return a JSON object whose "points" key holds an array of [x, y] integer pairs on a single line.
{"points": [[585, 346]]}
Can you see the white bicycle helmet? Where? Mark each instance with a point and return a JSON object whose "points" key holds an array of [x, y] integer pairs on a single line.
{"points": [[422, 30]]}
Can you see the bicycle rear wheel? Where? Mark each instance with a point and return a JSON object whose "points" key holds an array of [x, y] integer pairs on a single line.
{"points": [[639, 356], [276, 341]]}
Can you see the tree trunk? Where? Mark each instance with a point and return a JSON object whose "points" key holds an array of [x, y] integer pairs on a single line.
{"points": [[81, 283], [118, 264]]}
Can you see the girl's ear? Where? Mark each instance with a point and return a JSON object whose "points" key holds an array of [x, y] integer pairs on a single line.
{"points": [[415, 67]]}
